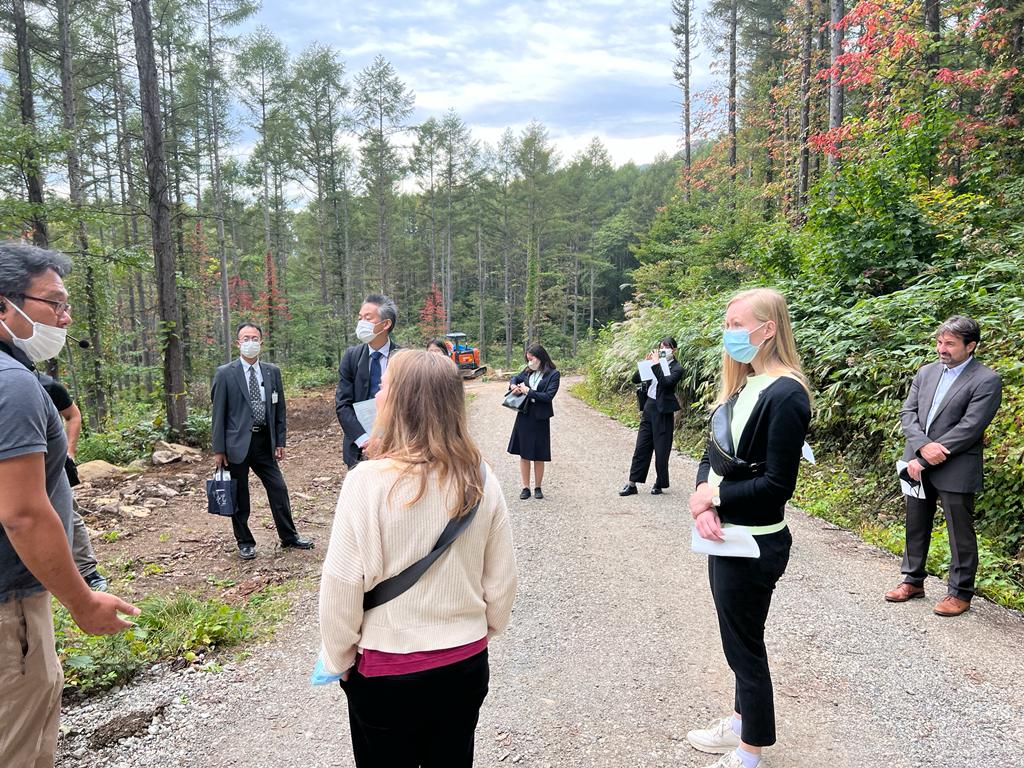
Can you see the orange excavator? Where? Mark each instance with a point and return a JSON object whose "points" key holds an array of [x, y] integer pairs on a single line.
{"points": [[464, 356]]}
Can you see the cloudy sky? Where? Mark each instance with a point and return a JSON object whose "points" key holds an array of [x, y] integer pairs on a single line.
{"points": [[601, 68]]}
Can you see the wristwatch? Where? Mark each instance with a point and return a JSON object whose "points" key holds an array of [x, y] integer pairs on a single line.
{"points": [[716, 501]]}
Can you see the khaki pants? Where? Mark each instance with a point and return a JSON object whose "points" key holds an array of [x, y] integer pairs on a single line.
{"points": [[31, 682]]}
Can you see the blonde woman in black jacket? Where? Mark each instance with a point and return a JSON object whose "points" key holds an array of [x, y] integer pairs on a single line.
{"points": [[762, 376]]}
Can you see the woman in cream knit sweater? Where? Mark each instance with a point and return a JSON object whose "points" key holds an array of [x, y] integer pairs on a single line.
{"points": [[415, 668]]}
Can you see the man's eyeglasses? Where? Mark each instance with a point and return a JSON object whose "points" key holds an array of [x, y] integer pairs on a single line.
{"points": [[60, 307]]}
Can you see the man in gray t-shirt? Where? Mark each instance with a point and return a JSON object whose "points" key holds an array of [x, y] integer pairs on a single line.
{"points": [[31, 424], [35, 512]]}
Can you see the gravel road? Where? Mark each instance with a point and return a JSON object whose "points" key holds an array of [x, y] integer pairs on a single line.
{"points": [[613, 650]]}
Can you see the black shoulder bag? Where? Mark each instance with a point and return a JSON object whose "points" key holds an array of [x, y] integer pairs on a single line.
{"points": [[395, 585], [721, 451]]}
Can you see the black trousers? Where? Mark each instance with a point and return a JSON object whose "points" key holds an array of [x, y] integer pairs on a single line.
{"points": [[260, 460], [742, 588], [423, 719], [963, 542], [654, 437]]}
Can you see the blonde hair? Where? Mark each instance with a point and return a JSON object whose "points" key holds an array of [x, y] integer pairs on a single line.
{"points": [[778, 352], [422, 425]]}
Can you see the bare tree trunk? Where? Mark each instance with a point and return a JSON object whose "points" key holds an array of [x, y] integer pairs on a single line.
{"points": [[575, 300], [213, 120], [733, 24], [97, 388], [128, 202], [33, 174], [933, 25], [687, 134], [506, 254], [178, 217], [803, 178], [590, 325], [835, 90], [160, 216], [481, 283]]}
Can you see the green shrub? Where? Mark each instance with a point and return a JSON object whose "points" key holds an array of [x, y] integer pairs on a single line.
{"points": [[299, 377], [178, 625], [129, 437]]}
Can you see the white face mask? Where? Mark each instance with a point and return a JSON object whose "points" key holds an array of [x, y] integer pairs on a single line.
{"points": [[45, 343], [533, 365], [365, 331], [250, 349]]}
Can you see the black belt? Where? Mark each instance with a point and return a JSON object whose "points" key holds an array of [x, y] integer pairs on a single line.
{"points": [[258, 427]]}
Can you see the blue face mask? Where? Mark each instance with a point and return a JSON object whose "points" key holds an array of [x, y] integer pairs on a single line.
{"points": [[737, 344]]}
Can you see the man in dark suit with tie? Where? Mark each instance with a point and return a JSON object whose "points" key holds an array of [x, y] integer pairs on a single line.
{"points": [[249, 433], [361, 369], [951, 403]]}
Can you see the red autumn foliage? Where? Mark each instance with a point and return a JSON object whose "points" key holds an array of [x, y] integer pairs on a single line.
{"points": [[433, 318]]}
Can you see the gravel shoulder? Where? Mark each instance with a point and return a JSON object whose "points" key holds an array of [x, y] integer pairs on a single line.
{"points": [[613, 650]]}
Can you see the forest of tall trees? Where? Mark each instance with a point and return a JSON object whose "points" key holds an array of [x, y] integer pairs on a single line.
{"points": [[125, 144]]}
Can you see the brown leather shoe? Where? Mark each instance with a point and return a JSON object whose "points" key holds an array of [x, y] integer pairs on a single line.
{"points": [[904, 592], [952, 606]]}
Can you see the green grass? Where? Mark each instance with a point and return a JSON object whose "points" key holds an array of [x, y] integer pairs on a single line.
{"points": [[179, 625]]}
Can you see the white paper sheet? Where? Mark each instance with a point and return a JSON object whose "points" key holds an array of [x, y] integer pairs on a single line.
{"points": [[664, 367], [738, 543], [808, 453], [909, 489], [644, 367], [366, 412]]}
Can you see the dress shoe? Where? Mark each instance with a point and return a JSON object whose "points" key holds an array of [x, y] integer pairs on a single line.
{"points": [[655, 491], [904, 592], [538, 493], [952, 606], [628, 490], [247, 552], [525, 493], [297, 543]]}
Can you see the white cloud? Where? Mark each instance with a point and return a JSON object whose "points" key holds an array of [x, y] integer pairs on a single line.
{"points": [[604, 69]]}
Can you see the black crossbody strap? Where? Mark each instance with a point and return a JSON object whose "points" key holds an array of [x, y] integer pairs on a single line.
{"points": [[395, 585]]}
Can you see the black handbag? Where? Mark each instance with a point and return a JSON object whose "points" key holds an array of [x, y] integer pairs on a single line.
{"points": [[641, 397], [395, 585], [221, 494], [516, 402], [720, 450], [71, 470]]}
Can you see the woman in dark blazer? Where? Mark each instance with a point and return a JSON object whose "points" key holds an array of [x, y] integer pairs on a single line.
{"points": [[771, 410], [531, 435], [659, 405]]}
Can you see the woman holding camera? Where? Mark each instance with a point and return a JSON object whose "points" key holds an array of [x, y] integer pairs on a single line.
{"points": [[659, 405], [764, 387]]}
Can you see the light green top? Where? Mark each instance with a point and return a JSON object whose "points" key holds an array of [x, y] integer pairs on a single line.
{"points": [[741, 411], [535, 378]]}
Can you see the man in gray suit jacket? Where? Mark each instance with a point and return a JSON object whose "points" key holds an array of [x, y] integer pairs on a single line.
{"points": [[951, 403], [249, 433], [361, 369]]}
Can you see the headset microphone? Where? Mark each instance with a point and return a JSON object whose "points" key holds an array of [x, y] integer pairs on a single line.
{"points": [[83, 343]]}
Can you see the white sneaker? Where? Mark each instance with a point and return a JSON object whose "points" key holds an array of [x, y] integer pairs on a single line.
{"points": [[732, 760], [718, 738]]}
